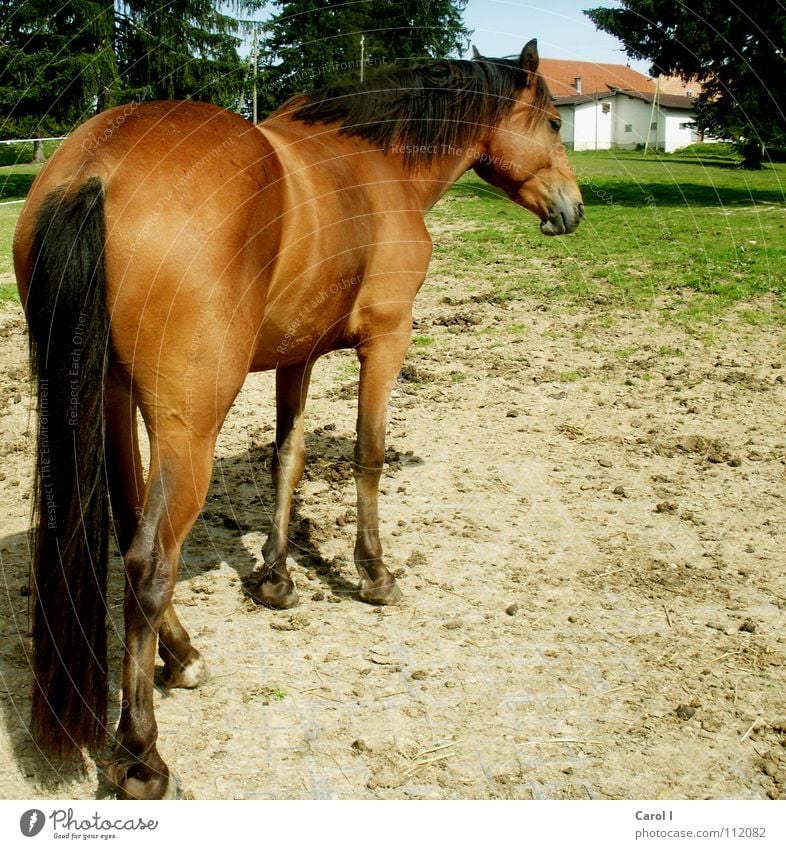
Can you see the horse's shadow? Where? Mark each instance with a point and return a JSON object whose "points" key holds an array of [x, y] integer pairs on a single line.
{"points": [[241, 500]]}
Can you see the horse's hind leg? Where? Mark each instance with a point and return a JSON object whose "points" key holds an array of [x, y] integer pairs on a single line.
{"points": [[183, 665], [180, 475], [276, 588], [123, 460]]}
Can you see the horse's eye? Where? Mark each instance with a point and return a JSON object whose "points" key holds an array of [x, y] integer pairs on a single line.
{"points": [[556, 124]]}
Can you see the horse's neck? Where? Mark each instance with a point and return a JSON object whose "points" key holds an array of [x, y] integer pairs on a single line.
{"points": [[431, 179], [300, 147]]}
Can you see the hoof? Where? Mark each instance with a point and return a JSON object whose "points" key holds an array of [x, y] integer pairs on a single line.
{"points": [[133, 788], [135, 781], [187, 677], [280, 594], [379, 592]]}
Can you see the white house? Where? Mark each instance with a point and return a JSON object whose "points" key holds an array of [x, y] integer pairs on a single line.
{"points": [[612, 106]]}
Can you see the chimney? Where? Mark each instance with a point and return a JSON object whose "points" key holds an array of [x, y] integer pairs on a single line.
{"points": [[577, 84]]}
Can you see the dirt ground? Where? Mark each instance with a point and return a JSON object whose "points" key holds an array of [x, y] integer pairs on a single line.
{"points": [[585, 511]]}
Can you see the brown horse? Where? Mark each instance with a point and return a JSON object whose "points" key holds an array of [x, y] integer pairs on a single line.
{"points": [[168, 249]]}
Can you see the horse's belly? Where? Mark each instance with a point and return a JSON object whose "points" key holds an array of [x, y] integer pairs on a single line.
{"points": [[306, 319]]}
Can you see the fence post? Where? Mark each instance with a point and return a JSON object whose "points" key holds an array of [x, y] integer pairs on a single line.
{"points": [[38, 152]]}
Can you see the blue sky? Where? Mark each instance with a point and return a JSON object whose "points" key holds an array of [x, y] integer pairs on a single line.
{"points": [[563, 31]]}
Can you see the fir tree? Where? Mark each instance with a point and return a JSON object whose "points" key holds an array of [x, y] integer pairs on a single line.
{"points": [[735, 50], [312, 43], [180, 49], [57, 65], [60, 63]]}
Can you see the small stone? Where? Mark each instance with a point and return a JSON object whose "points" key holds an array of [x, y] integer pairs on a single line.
{"points": [[512, 609], [25, 591], [748, 626], [685, 712], [512, 414], [605, 462], [419, 675], [360, 746], [452, 625], [666, 507], [318, 596], [620, 490]]}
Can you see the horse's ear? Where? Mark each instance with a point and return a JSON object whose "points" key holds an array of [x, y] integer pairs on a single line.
{"points": [[529, 59], [476, 53]]}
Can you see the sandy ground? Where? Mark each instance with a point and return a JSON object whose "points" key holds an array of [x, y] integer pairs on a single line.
{"points": [[585, 511]]}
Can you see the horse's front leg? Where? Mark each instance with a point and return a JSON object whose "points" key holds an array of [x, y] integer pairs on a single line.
{"points": [[381, 358], [275, 587]]}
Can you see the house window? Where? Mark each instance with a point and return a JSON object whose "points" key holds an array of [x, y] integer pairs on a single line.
{"points": [[628, 128], [653, 126], [685, 126], [606, 108]]}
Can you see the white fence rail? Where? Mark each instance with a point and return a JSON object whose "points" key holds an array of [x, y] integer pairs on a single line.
{"points": [[27, 141]]}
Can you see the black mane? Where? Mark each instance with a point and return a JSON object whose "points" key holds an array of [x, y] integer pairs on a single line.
{"points": [[428, 110]]}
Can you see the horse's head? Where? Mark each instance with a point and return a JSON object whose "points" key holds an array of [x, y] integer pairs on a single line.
{"points": [[524, 156]]}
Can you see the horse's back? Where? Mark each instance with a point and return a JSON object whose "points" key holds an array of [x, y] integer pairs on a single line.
{"points": [[192, 209]]}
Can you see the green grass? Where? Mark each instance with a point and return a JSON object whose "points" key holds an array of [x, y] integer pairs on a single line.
{"points": [[16, 171], [16, 177], [8, 216], [690, 228]]}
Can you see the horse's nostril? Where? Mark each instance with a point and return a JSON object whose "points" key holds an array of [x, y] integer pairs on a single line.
{"points": [[580, 208]]}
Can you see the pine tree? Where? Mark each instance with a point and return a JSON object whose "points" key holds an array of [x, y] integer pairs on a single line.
{"points": [[62, 62], [416, 29], [57, 65], [735, 50], [180, 49], [312, 43]]}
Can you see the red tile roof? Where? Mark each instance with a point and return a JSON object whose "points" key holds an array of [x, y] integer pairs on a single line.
{"points": [[561, 74]]}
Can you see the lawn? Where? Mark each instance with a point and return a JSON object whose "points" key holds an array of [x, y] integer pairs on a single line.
{"points": [[690, 233]]}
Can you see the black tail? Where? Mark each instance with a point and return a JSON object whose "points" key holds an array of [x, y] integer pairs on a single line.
{"points": [[68, 323]]}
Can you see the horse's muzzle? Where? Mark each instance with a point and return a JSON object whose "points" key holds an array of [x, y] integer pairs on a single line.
{"points": [[564, 218]]}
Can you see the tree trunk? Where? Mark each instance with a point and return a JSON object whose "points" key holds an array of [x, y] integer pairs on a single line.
{"points": [[751, 155], [38, 152]]}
